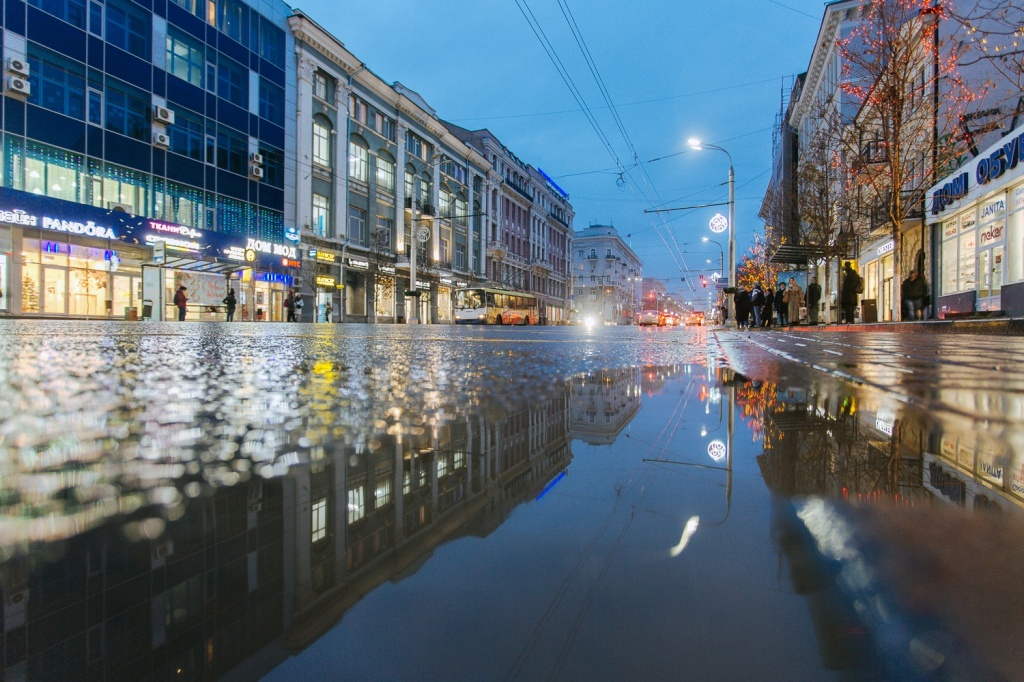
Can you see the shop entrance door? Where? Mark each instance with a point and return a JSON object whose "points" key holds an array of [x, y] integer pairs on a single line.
{"points": [[55, 290], [276, 305], [124, 296], [990, 277]]}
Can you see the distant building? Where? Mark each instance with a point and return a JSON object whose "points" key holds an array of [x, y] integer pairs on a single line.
{"points": [[527, 226], [606, 276]]}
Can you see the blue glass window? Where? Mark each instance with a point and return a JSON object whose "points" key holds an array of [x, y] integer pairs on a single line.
{"points": [[128, 27], [232, 151], [233, 82], [127, 109], [231, 18], [196, 7], [185, 57], [188, 135], [60, 83], [271, 102], [71, 11], [273, 166]]}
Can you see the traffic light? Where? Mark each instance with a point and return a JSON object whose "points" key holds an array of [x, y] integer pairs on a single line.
{"points": [[703, 282]]}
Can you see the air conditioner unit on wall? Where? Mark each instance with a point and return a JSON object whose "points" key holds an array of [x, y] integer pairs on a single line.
{"points": [[255, 172], [161, 139], [163, 115], [18, 67], [15, 85], [256, 158]]}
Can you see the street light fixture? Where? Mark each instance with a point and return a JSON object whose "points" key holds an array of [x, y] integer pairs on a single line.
{"points": [[721, 256], [696, 145]]}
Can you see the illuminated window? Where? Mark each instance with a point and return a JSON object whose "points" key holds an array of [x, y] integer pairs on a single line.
{"points": [[321, 143], [383, 492], [356, 504], [185, 57], [358, 162], [319, 521], [321, 215], [385, 174]]}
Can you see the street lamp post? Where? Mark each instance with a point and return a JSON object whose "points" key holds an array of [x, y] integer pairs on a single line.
{"points": [[696, 145], [721, 256]]}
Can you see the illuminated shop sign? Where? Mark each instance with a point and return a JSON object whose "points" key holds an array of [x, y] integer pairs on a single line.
{"points": [[888, 247], [324, 256], [291, 263], [359, 263], [992, 165], [325, 281], [387, 269], [272, 248], [275, 278], [169, 228], [88, 228], [292, 234]]}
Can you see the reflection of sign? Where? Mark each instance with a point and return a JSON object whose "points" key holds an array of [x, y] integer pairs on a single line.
{"points": [[325, 281], [717, 450], [423, 233], [719, 223], [885, 420]]}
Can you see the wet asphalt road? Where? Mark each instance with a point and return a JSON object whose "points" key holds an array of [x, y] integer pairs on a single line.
{"points": [[208, 500]]}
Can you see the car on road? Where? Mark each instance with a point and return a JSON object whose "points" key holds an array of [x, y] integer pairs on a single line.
{"points": [[694, 319], [649, 318]]}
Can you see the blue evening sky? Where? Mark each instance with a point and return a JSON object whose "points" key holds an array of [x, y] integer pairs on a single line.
{"points": [[673, 69]]}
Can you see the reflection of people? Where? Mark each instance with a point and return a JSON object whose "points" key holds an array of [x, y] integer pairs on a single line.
{"points": [[181, 300], [794, 298], [813, 299], [230, 301], [914, 290], [852, 286]]}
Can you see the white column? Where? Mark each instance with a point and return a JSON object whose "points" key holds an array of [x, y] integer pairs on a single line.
{"points": [[400, 130], [304, 140], [342, 101], [471, 265]]}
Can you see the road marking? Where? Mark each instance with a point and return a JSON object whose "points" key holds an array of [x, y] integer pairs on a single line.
{"points": [[833, 352]]}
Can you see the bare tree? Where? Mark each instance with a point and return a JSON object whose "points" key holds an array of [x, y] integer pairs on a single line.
{"points": [[902, 80]]}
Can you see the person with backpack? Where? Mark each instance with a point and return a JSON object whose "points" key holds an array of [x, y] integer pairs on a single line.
{"points": [[853, 287], [181, 301], [757, 303]]}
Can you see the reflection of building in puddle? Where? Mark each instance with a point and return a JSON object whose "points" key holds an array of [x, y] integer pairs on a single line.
{"points": [[264, 562], [603, 403], [855, 446]]}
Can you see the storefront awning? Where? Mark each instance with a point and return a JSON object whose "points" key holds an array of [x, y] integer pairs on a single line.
{"points": [[196, 265], [795, 254]]}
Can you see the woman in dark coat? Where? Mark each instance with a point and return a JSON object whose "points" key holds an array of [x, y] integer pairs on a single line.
{"points": [[741, 300], [781, 307], [769, 307]]}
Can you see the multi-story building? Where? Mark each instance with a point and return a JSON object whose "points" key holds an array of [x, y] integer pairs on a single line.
{"points": [[527, 226], [147, 147], [606, 273], [376, 166]]}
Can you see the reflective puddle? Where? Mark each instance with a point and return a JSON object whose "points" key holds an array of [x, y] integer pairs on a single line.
{"points": [[543, 504]]}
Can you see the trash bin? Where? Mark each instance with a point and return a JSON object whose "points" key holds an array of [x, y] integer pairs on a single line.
{"points": [[869, 310], [147, 309]]}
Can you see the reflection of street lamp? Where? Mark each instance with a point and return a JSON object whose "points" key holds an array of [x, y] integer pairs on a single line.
{"points": [[696, 145]]}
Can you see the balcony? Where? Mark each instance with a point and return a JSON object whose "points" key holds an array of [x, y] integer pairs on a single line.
{"points": [[522, 190], [424, 209], [558, 219], [540, 266], [496, 249]]}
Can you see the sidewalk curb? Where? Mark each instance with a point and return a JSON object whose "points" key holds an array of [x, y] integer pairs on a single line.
{"points": [[1004, 326]]}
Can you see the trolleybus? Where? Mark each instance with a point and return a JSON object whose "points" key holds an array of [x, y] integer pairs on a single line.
{"points": [[480, 305]]}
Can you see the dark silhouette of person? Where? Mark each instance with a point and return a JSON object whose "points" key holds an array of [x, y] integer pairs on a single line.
{"points": [[230, 301], [852, 287], [181, 300]]}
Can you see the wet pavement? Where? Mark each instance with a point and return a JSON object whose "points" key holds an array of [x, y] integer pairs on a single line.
{"points": [[204, 501]]}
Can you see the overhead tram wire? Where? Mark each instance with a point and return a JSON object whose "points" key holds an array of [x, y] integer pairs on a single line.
{"points": [[606, 95]]}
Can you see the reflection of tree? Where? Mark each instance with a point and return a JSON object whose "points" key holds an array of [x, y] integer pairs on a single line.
{"points": [[29, 295], [756, 399]]}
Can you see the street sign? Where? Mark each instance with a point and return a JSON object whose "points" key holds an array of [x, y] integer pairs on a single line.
{"points": [[159, 253]]}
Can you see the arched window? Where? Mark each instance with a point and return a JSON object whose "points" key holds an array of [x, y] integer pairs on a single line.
{"points": [[321, 141], [358, 160], [385, 171]]}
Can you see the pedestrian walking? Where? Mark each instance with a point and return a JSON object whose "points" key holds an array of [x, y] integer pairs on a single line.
{"points": [[289, 305], [741, 300], [914, 290], [794, 298], [769, 308], [181, 301], [813, 299], [230, 301], [327, 312], [781, 310], [757, 303], [851, 289]]}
